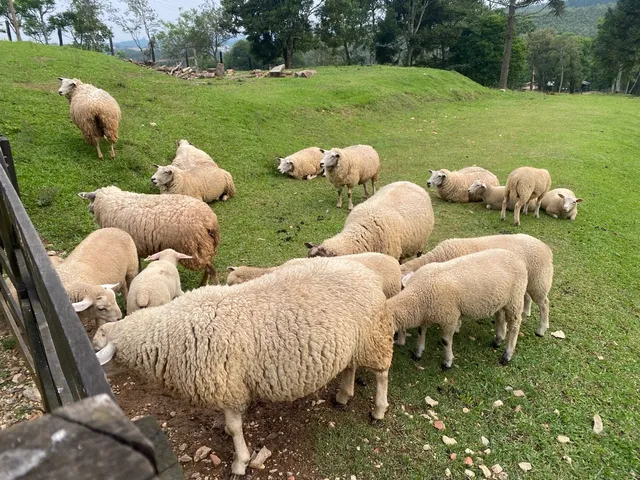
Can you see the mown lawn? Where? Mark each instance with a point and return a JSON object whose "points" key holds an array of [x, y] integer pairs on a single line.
{"points": [[416, 119]]}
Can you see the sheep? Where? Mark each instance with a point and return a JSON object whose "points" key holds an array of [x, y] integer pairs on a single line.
{"points": [[396, 221], [492, 196], [351, 166], [105, 259], [385, 266], [157, 222], [205, 181], [477, 285], [277, 338], [303, 164], [536, 254], [188, 156], [454, 186], [93, 111], [525, 184], [561, 203], [157, 284]]}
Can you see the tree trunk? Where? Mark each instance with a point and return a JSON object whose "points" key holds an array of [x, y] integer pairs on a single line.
{"points": [[561, 70], [14, 20], [533, 78], [153, 52], [346, 52], [508, 42], [635, 89], [288, 53]]}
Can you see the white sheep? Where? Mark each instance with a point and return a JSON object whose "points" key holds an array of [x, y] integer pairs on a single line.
{"points": [[396, 221], [157, 222], [561, 203], [536, 254], [349, 167], [94, 112], [157, 284], [188, 156], [205, 181], [454, 186], [104, 260], [490, 282], [278, 338], [303, 164], [524, 185]]}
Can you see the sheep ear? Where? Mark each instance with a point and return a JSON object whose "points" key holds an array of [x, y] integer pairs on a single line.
{"points": [[87, 195], [155, 165], [484, 185], [61, 79], [155, 256], [561, 196], [232, 269], [579, 200], [106, 354], [309, 245], [406, 278], [182, 256], [110, 286], [322, 151], [82, 305], [430, 171]]}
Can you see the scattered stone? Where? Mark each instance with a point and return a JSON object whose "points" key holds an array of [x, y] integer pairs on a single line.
{"points": [[184, 459], [196, 476], [426, 448], [431, 402], [291, 477], [518, 393], [502, 476], [465, 410], [153, 124], [172, 414], [201, 454], [433, 414], [257, 462], [215, 460], [33, 394], [487, 451], [485, 441], [558, 334], [567, 459], [468, 461], [508, 388], [496, 468], [449, 441], [497, 403], [598, 427], [469, 474], [453, 456], [468, 451], [518, 409], [600, 357], [525, 466], [332, 424], [18, 378], [182, 447], [353, 477], [556, 411], [447, 472], [439, 424], [485, 471], [563, 439]]}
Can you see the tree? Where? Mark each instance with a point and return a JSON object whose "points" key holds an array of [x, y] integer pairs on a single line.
{"points": [[139, 19], [239, 57], [345, 24], [8, 11], [82, 20]]}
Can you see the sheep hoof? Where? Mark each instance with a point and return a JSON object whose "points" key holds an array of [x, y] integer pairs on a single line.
{"points": [[446, 366], [495, 343], [361, 381], [415, 356], [539, 334], [505, 359], [338, 405], [373, 420]]}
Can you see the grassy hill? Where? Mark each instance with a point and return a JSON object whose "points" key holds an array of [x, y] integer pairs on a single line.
{"points": [[417, 119]]}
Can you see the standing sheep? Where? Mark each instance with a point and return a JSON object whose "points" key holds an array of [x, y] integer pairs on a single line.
{"points": [[278, 338], [105, 259], [561, 203], [157, 284], [454, 186], [157, 222], [492, 196], [349, 167], [536, 254], [396, 221], [303, 164], [205, 181], [94, 112], [491, 282], [524, 185], [188, 156]]}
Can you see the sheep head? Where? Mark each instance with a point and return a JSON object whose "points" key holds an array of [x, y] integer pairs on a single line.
{"points": [[569, 202], [437, 178], [285, 165], [100, 303], [330, 158], [318, 251], [163, 176], [68, 85]]}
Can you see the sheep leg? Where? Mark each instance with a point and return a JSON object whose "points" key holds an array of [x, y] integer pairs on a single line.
{"points": [[544, 317], [516, 212], [501, 329], [503, 212], [339, 204], [459, 325], [527, 305], [402, 337], [422, 334], [98, 149], [347, 382], [538, 203], [373, 186], [447, 340], [113, 152], [366, 194], [514, 321], [233, 421], [349, 194], [381, 403]]}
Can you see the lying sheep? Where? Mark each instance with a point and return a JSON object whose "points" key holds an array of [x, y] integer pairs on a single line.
{"points": [[386, 267], [396, 221], [104, 260], [349, 167], [94, 112], [303, 164], [157, 222], [205, 181], [454, 186], [157, 284], [490, 282], [278, 338], [524, 185], [536, 254], [561, 203], [188, 156]]}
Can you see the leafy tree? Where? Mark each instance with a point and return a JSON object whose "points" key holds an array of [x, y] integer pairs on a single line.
{"points": [[139, 19], [239, 57], [345, 24], [83, 21], [10, 12], [32, 16]]}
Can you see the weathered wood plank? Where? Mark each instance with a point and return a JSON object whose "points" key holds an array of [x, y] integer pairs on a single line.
{"points": [[166, 461]]}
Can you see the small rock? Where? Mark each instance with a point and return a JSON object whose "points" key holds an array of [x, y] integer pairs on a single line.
{"points": [[332, 424], [518, 409], [172, 414], [468, 451], [600, 357], [201, 454], [426, 448], [556, 411], [598, 427], [525, 466], [164, 424], [431, 402], [563, 439], [291, 477], [257, 462], [558, 334], [485, 471], [433, 414], [184, 459], [518, 393], [453, 456], [182, 447], [353, 477], [508, 389], [196, 476], [487, 451], [469, 474], [447, 472], [439, 424], [18, 378], [497, 403], [215, 459], [153, 124], [32, 393], [567, 459], [485, 441], [502, 476], [468, 461], [449, 441], [465, 410], [496, 468]]}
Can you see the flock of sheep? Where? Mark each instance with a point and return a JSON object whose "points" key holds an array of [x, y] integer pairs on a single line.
{"points": [[281, 333]]}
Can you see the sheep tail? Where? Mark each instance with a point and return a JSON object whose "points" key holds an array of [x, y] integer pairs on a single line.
{"points": [[142, 298], [214, 233], [99, 126], [231, 188]]}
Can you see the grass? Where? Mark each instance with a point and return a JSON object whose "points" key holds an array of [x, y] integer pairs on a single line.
{"points": [[417, 119]]}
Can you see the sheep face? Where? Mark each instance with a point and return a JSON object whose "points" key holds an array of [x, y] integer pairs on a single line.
{"points": [[330, 159], [318, 251], [436, 179], [477, 188], [68, 84], [102, 337], [163, 176], [569, 202], [91, 196], [100, 304], [285, 166]]}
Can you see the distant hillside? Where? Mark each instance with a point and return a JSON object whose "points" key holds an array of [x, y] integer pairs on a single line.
{"points": [[130, 44], [581, 20], [588, 3]]}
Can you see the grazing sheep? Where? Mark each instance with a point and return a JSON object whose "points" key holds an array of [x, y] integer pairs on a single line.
{"points": [[303, 164], [524, 185], [94, 112], [385, 266], [157, 222], [561, 203], [536, 254], [351, 166], [454, 186], [205, 181], [396, 221], [188, 156], [278, 338], [157, 284], [472, 286], [105, 259]]}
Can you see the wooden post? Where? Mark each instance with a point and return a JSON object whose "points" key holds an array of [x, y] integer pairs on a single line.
{"points": [[186, 56], [60, 36], [113, 53], [153, 53], [221, 57], [8, 27]]}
